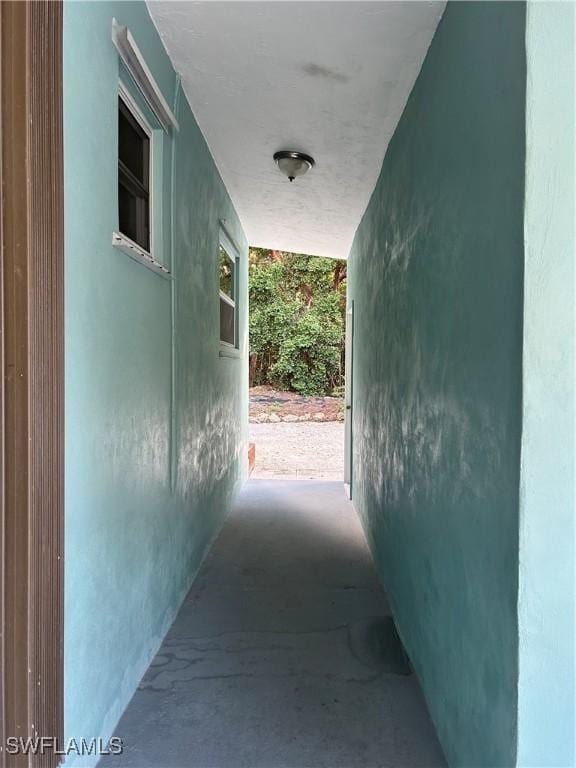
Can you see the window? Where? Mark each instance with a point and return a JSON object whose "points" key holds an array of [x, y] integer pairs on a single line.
{"points": [[133, 177], [228, 316]]}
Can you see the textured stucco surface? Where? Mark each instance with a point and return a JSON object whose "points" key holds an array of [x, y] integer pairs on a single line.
{"points": [[546, 714], [436, 274], [281, 656], [329, 79], [132, 543]]}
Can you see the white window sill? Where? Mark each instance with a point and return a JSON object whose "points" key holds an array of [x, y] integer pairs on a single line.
{"points": [[136, 252], [227, 350]]}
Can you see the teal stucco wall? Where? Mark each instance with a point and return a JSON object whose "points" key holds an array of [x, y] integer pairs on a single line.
{"points": [[436, 273], [156, 421], [546, 715]]}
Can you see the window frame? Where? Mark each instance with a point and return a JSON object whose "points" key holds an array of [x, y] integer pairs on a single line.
{"points": [[231, 252], [138, 116]]}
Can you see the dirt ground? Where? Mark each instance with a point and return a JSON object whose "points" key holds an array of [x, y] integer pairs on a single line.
{"points": [[304, 450], [270, 405]]}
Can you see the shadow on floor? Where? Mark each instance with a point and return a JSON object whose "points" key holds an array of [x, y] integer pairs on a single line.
{"points": [[283, 653]]}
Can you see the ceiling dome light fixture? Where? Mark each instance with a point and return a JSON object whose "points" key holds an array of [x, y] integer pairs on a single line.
{"points": [[293, 163]]}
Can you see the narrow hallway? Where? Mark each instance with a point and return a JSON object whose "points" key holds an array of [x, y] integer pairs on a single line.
{"points": [[282, 654]]}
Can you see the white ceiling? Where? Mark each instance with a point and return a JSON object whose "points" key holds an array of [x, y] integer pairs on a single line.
{"points": [[327, 78]]}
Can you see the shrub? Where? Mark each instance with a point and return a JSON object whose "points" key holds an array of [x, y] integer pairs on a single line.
{"points": [[297, 307]]}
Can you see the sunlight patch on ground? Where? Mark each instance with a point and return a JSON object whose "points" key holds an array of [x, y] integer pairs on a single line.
{"points": [[304, 450]]}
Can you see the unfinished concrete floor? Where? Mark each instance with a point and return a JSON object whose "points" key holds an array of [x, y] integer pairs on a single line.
{"points": [[277, 657]]}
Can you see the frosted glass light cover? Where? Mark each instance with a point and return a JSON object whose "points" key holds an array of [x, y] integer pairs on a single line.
{"points": [[293, 164]]}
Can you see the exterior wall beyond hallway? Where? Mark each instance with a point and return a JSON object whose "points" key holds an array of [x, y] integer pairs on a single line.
{"points": [[152, 461]]}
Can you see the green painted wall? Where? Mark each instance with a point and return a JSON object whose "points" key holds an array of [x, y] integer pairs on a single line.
{"points": [[149, 476], [436, 273], [546, 716]]}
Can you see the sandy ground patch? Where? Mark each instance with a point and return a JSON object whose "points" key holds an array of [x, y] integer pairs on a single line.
{"points": [[305, 450]]}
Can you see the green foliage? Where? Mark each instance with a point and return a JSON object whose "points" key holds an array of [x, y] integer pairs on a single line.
{"points": [[297, 307]]}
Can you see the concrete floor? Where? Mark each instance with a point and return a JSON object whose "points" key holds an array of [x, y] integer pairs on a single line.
{"points": [[281, 655]]}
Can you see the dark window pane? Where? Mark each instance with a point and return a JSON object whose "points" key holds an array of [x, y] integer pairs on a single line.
{"points": [[145, 204], [226, 274], [227, 315], [127, 206], [133, 145], [133, 178]]}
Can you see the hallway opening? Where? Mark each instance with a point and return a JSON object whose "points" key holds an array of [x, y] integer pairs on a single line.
{"points": [[297, 319]]}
